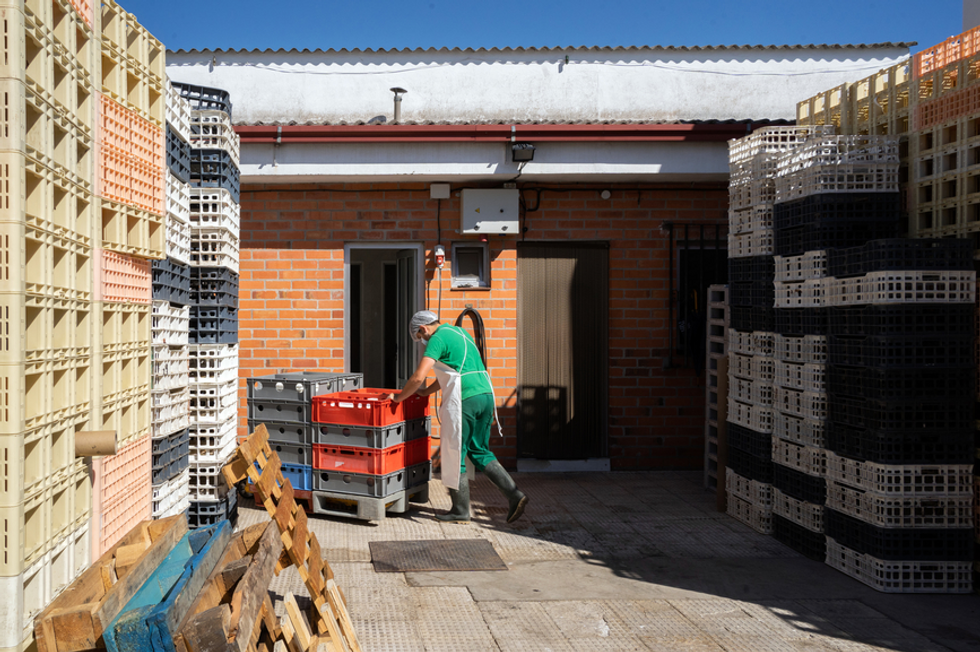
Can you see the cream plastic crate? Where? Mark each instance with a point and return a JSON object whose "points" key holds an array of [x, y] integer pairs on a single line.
{"points": [[40, 459], [756, 517], [751, 491], [36, 329], [807, 459], [901, 511], [178, 112], [751, 367], [43, 264], [166, 498], [28, 593], [38, 393], [806, 349], [809, 405], [134, 231], [178, 199], [214, 248], [126, 375], [792, 427], [129, 417], [750, 220], [214, 208], [745, 245], [831, 150], [170, 368], [170, 325], [751, 391], [801, 294], [213, 364], [902, 479], [125, 327], [759, 343], [901, 576], [808, 266], [178, 241], [773, 140], [211, 129], [753, 417], [901, 287], [802, 513]]}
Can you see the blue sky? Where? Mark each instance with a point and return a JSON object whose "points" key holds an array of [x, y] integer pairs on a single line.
{"points": [[377, 24]]}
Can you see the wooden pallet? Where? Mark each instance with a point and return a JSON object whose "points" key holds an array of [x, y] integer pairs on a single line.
{"points": [[233, 611], [77, 619], [255, 461]]}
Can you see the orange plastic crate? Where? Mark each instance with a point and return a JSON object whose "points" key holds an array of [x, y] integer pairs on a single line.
{"points": [[376, 461], [122, 278], [367, 407]]}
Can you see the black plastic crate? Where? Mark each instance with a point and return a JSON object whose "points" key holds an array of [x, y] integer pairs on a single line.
{"points": [[214, 286], [908, 446], [754, 269], [909, 320], [900, 352], [178, 156], [204, 514], [204, 98], [899, 544], [834, 209], [901, 384], [802, 321], [910, 417], [902, 254], [749, 466], [171, 282], [758, 444], [798, 240], [757, 295], [169, 456], [213, 168], [812, 545], [745, 318], [799, 485], [213, 325]]}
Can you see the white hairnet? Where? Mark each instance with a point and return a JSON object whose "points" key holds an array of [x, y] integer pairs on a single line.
{"points": [[421, 318]]}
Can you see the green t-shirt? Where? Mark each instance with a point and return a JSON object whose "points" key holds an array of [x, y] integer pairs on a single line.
{"points": [[448, 345]]}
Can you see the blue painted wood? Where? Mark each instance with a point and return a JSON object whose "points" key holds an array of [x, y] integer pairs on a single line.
{"points": [[149, 620]]}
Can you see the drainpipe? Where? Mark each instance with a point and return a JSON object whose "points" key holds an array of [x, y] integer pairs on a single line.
{"points": [[398, 102], [669, 360]]}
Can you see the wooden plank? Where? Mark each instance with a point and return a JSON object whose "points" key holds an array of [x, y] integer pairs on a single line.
{"points": [[267, 481], [208, 630], [343, 618], [269, 620], [188, 594], [232, 572], [127, 556], [289, 635], [298, 621], [283, 515], [254, 443], [315, 582], [253, 589], [236, 470], [328, 625], [298, 545]]}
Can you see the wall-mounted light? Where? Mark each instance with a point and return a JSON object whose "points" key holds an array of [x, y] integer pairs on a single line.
{"points": [[521, 152]]}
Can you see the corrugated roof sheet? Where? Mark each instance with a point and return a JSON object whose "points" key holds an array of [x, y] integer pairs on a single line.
{"points": [[595, 48]]}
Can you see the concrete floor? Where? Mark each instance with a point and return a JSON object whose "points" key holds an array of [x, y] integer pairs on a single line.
{"points": [[619, 561]]}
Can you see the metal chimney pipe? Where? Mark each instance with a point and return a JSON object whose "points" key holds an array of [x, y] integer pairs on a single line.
{"points": [[398, 102]]}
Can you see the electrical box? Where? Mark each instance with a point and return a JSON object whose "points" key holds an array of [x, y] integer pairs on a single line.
{"points": [[495, 210]]}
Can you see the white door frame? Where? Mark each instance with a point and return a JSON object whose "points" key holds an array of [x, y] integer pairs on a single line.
{"points": [[420, 281]]}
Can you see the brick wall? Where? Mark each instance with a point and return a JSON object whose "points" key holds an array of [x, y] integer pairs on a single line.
{"points": [[292, 286]]}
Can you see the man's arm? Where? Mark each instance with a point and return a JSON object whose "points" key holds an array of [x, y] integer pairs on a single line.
{"points": [[415, 382]]}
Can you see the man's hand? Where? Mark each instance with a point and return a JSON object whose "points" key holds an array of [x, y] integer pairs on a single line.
{"points": [[393, 398]]}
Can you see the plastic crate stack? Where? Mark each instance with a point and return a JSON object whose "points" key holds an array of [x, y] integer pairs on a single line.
{"points": [[370, 455], [944, 144], [170, 418], [752, 319], [210, 163], [716, 348], [283, 403], [901, 380]]}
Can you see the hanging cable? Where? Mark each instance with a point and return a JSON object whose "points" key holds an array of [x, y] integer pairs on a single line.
{"points": [[478, 332]]}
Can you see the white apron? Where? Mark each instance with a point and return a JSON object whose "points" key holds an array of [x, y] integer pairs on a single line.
{"points": [[451, 414]]}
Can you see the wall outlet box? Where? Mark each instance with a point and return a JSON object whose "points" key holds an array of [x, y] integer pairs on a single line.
{"points": [[439, 191], [490, 210]]}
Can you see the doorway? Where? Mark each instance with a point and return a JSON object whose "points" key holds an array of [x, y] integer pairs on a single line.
{"points": [[383, 289]]}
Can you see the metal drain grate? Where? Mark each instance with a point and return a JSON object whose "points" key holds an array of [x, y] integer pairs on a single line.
{"points": [[435, 555]]}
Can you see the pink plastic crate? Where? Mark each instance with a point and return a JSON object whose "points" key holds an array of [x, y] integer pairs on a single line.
{"points": [[122, 278], [367, 407], [376, 461]]}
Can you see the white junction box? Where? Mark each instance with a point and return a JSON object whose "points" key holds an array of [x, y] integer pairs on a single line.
{"points": [[490, 210]]}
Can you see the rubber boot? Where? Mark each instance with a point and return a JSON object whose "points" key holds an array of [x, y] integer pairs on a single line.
{"points": [[515, 497], [460, 512]]}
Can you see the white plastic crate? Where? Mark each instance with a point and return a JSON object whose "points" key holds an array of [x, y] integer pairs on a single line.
{"points": [[802, 513], [773, 140], [900, 287], [804, 348], [808, 432], [169, 497], [178, 113], [214, 208], [809, 405], [751, 367], [217, 403], [170, 324], [759, 343], [749, 220], [833, 150], [212, 443], [845, 178], [178, 199], [178, 240], [756, 517], [169, 411], [214, 364], [901, 511], [207, 484], [901, 576], [170, 368], [751, 491], [807, 459], [808, 266], [755, 392], [214, 248], [745, 245], [211, 129], [754, 417], [902, 479], [801, 294]]}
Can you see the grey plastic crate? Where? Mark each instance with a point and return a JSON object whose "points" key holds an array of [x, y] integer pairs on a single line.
{"points": [[300, 386], [366, 508], [372, 486], [366, 437], [280, 411], [283, 431], [292, 453]]}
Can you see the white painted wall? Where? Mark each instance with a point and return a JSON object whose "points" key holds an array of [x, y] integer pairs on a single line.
{"points": [[487, 86]]}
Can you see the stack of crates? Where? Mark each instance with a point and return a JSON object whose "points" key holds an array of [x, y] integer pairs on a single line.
{"points": [[370, 454], [716, 348], [170, 419], [283, 403]]}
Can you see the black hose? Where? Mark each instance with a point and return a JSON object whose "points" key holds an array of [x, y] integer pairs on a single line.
{"points": [[478, 336]]}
